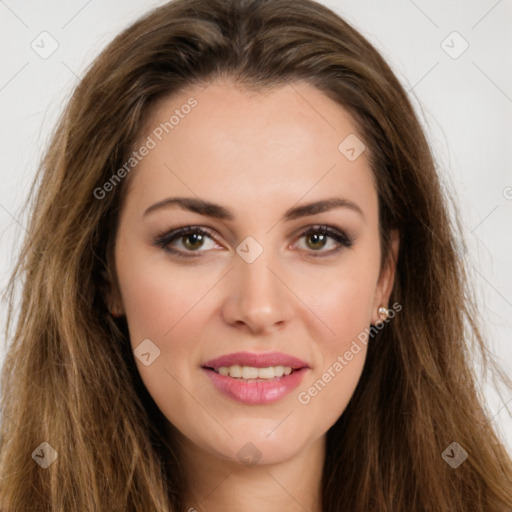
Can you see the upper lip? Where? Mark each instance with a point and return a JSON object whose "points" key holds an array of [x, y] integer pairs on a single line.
{"points": [[257, 360]]}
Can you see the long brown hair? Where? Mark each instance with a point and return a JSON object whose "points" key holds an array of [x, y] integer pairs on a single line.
{"points": [[69, 377]]}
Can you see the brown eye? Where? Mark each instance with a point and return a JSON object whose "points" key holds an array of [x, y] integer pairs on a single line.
{"points": [[196, 241], [318, 240], [192, 240], [318, 237]]}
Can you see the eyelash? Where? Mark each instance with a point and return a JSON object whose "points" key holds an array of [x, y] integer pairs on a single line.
{"points": [[164, 240]]}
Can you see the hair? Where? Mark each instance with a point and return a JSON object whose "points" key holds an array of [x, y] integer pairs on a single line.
{"points": [[69, 376]]}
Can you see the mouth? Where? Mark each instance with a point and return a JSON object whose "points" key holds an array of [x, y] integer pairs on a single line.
{"points": [[253, 373], [255, 379]]}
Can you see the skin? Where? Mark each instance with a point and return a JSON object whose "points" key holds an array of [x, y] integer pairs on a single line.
{"points": [[257, 155]]}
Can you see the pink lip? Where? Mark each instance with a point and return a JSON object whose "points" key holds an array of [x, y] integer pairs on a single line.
{"points": [[261, 391], [257, 360], [256, 392]]}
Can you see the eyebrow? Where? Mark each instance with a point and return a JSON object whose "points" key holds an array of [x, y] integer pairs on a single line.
{"points": [[217, 211]]}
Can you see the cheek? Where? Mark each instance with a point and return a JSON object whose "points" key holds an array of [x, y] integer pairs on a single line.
{"points": [[330, 389], [341, 356], [346, 299], [156, 298], [346, 307], [163, 306], [169, 307]]}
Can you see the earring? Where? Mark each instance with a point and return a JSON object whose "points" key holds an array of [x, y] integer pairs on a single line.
{"points": [[114, 313], [383, 313]]}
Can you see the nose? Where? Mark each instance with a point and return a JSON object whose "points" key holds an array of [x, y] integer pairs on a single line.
{"points": [[259, 299]]}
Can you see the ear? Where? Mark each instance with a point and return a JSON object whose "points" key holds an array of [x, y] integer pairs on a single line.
{"points": [[115, 304], [112, 295], [386, 278]]}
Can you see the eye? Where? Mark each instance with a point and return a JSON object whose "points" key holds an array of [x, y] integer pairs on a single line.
{"points": [[192, 236], [192, 240], [318, 237]]}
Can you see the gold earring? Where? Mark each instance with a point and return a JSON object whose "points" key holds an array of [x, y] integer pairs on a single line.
{"points": [[383, 313]]}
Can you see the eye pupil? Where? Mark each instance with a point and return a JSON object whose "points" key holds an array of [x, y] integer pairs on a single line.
{"points": [[197, 236], [317, 237]]}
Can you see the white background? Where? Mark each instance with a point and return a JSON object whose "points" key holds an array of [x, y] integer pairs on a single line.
{"points": [[465, 105]]}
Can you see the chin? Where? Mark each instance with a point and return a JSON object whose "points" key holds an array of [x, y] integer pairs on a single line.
{"points": [[253, 451]]}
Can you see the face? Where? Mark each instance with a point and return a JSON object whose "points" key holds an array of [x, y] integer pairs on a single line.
{"points": [[243, 323]]}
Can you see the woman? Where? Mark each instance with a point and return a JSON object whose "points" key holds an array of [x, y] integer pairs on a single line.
{"points": [[241, 288]]}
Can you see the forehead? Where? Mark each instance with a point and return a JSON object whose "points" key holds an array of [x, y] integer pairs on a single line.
{"points": [[241, 144]]}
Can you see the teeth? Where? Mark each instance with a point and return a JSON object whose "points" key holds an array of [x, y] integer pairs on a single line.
{"points": [[250, 372]]}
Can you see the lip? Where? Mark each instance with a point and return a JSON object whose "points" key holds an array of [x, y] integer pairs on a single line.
{"points": [[262, 360], [256, 393], [261, 391]]}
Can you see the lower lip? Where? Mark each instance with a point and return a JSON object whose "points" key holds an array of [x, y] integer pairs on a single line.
{"points": [[256, 393]]}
